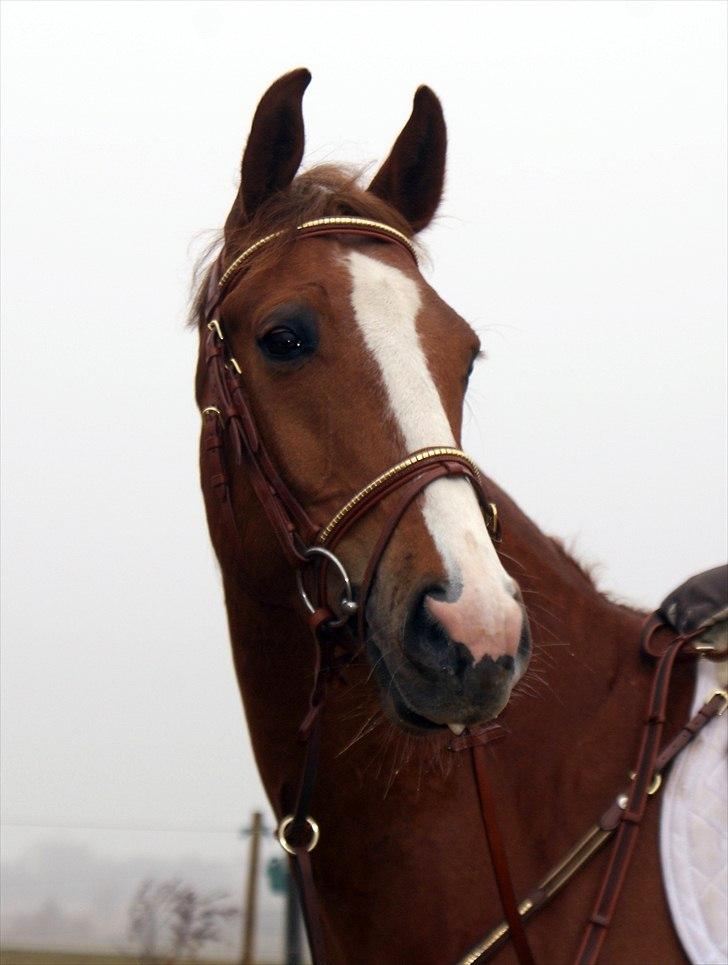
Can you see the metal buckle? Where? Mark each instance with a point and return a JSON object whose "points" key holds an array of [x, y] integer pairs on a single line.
{"points": [[285, 825], [212, 410], [655, 785], [349, 605], [723, 694], [492, 524], [214, 326], [703, 648]]}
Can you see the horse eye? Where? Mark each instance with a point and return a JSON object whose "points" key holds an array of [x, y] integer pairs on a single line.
{"points": [[282, 343], [478, 355]]}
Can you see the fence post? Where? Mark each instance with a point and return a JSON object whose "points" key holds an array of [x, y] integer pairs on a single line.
{"points": [[251, 890]]}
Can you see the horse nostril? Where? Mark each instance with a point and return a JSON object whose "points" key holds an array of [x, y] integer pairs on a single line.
{"points": [[506, 661], [438, 591], [428, 645], [456, 662]]}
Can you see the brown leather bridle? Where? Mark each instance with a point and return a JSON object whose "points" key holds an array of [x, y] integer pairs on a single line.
{"points": [[230, 438], [227, 414], [228, 422]]}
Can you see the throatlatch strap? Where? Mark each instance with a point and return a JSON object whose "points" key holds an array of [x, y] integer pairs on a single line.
{"points": [[303, 876], [298, 837]]}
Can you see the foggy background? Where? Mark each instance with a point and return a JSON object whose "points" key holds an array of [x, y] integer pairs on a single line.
{"points": [[583, 233]]}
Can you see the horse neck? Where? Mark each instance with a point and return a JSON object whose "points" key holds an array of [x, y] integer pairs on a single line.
{"points": [[586, 672]]}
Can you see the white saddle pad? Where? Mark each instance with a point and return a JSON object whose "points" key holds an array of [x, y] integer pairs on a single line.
{"points": [[694, 833]]}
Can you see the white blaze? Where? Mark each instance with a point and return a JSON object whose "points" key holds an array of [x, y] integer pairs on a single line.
{"points": [[386, 304]]}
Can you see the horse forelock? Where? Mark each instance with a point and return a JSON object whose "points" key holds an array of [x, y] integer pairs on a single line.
{"points": [[324, 191]]}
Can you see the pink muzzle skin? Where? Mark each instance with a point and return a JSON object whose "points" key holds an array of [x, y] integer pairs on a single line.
{"points": [[488, 629]]}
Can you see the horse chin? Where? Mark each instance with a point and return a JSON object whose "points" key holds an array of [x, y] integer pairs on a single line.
{"points": [[412, 716], [409, 720]]}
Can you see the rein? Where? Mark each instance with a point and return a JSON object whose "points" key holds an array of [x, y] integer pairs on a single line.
{"points": [[623, 817], [230, 438]]}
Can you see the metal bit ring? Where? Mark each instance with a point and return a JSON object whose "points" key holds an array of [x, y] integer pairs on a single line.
{"points": [[349, 605], [284, 826]]}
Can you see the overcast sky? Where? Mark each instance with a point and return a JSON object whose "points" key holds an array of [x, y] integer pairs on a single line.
{"points": [[583, 233]]}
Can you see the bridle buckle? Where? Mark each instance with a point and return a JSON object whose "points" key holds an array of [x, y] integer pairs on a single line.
{"points": [[723, 694], [214, 326]]}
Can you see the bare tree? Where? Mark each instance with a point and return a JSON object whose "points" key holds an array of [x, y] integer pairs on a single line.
{"points": [[143, 922], [171, 922]]}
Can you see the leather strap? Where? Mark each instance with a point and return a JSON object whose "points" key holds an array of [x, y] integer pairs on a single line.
{"points": [[427, 470], [411, 488], [360, 230], [310, 905], [287, 517], [330, 225], [410, 484], [498, 856], [591, 842], [299, 833], [299, 836], [631, 817]]}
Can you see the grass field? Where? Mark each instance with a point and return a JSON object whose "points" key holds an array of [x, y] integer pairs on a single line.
{"points": [[10, 957]]}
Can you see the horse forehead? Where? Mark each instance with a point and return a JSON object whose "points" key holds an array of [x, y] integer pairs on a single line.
{"points": [[379, 287]]}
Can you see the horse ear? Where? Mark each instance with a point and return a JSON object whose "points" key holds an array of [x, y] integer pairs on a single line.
{"points": [[275, 145], [412, 177]]}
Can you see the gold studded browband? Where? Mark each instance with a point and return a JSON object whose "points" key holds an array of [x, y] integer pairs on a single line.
{"points": [[320, 226]]}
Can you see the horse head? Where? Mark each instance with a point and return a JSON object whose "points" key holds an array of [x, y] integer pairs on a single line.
{"points": [[351, 362]]}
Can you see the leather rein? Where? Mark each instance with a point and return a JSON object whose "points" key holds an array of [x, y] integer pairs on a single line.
{"points": [[230, 439]]}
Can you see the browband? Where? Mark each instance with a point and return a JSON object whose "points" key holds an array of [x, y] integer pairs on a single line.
{"points": [[320, 226]]}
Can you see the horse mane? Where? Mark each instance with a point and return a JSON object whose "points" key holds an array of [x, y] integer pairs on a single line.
{"points": [[587, 571], [324, 191]]}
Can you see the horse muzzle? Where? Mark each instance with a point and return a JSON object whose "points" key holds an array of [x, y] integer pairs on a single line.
{"points": [[428, 678]]}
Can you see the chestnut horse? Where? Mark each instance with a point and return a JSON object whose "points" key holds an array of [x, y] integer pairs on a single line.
{"points": [[350, 362]]}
